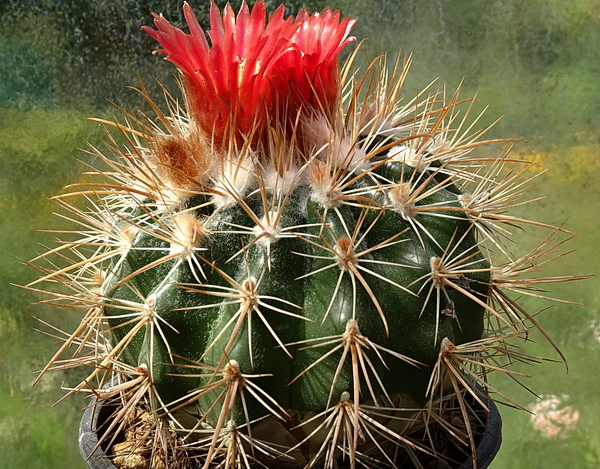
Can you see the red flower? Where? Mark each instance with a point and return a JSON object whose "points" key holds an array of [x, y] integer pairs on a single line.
{"points": [[254, 69], [311, 65]]}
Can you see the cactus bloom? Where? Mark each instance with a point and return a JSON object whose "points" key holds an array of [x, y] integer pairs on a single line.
{"points": [[253, 68]]}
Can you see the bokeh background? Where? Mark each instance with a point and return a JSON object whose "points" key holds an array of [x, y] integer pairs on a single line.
{"points": [[535, 62]]}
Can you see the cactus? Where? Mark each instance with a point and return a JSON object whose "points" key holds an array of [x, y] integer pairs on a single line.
{"points": [[296, 266]]}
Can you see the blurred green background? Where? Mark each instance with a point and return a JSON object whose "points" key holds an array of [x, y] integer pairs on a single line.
{"points": [[537, 62]]}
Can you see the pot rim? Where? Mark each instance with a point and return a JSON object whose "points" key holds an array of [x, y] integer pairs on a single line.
{"points": [[487, 447]]}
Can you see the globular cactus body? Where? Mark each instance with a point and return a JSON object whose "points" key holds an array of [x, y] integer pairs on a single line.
{"points": [[252, 283], [308, 278]]}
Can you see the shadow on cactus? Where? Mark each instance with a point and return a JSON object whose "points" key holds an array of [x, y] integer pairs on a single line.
{"points": [[297, 266]]}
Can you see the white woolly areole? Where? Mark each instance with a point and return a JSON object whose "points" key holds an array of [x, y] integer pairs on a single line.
{"points": [[187, 231], [370, 122], [150, 304], [115, 227], [466, 199], [407, 156], [344, 154], [334, 145], [401, 199], [324, 190], [269, 230], [353, 157], [235, 179], [232, 369], [281, 184]]}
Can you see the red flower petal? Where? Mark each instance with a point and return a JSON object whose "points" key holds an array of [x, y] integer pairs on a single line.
{"points": [[252, 68]]}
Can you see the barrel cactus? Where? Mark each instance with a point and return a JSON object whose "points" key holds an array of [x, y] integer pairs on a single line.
{"points": [[294, 266]]}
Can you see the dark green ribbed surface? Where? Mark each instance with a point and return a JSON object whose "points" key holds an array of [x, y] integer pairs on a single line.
{"points": [[195, 314]]}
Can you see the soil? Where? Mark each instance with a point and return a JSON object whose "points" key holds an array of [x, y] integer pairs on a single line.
{"points": [[133, 448]]}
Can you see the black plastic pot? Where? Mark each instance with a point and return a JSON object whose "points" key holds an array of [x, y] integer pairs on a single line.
{"points": [[93, 418], [98, 413], [490, 442]]}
